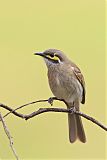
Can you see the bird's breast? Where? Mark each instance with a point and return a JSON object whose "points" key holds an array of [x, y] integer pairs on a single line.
{"points": [[64, 86]]}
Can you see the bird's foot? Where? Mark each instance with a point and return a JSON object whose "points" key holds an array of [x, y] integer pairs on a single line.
{"points": [[72, 109], [51, 99]]}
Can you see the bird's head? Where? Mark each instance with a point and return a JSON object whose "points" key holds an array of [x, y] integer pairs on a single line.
{"points": [[53, 57]]}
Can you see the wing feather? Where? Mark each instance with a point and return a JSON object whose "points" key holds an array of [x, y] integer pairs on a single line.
{"points": [[80, 78]]}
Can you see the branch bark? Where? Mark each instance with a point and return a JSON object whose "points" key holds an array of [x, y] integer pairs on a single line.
{"points": [[9, 136], [43, 110]]}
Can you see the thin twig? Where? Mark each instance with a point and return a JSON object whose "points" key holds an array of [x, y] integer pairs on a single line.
{"points": [[50, 101], [43, 110], [22, 106], [11, 110], [92, 120], [9, 137]]}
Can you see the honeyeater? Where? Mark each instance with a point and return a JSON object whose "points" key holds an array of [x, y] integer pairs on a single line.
{"points": [[66, 82]]}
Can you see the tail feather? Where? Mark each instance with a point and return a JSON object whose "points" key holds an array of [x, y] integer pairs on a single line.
{"points": [[76, 129], [80, 129], [72, 127]]}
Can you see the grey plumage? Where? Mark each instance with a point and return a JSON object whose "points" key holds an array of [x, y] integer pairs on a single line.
{"points": [[67, 83]]}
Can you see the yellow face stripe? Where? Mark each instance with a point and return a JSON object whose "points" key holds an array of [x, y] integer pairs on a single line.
{"points": [[53, 58]]}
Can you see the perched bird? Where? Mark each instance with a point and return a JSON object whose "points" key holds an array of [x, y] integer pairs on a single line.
{"points": [[67, 83]]}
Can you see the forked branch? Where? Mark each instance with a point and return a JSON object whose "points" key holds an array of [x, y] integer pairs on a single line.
{"points": [[43, 110]]}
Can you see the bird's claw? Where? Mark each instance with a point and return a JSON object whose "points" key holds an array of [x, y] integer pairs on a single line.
{"points": [[50, 101], [72, 109]]}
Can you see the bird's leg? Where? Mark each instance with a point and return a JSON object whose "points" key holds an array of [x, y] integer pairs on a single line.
{"points": [[72, 108], [51, 99]]}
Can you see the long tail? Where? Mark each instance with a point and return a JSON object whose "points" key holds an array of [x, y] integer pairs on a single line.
{"points": [[76, 129]]}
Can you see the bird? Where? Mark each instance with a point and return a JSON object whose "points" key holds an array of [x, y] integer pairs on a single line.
{"points": [[66, 82]]}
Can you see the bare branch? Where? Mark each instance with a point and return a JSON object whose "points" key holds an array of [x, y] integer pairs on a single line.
{"points": [[43, 110], [9, 136], [50, 101], [11, 110]]}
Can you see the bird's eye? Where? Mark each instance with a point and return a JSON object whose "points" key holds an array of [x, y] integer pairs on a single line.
{"points": [[53, 57]]}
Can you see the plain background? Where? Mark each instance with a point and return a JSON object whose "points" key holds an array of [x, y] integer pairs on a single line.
{"points": [[76, 27]]}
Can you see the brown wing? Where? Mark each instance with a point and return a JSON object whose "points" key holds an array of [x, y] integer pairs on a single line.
{"points": [[80, 78]]}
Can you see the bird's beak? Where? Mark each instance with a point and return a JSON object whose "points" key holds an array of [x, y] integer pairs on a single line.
{"points": [[40, 54]]}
